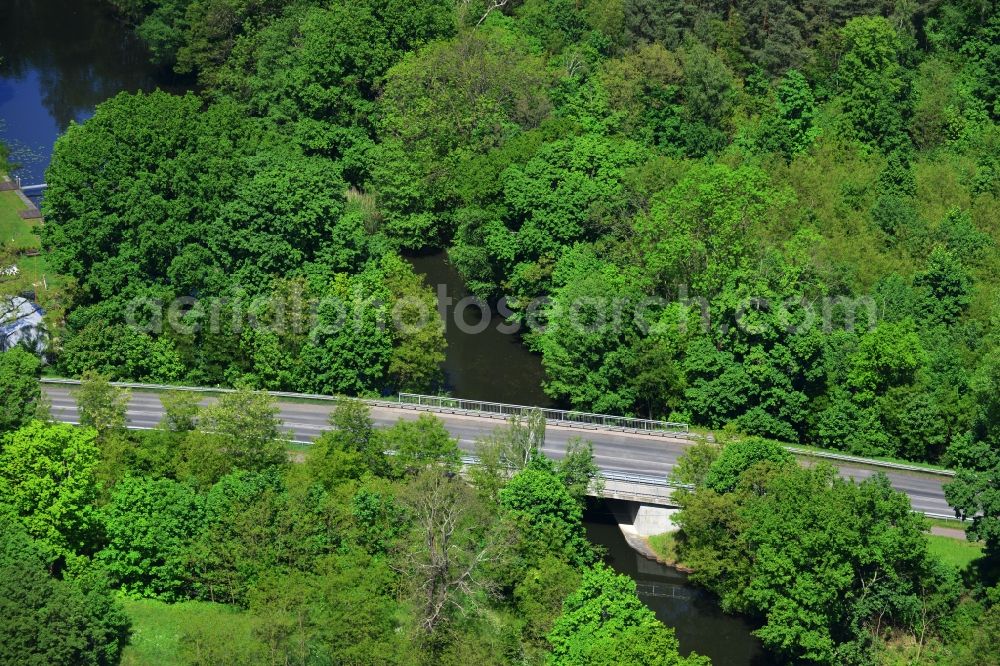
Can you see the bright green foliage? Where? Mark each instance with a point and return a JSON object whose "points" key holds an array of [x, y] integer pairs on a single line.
{"points": [[324, 89], [584, 323], [180, 410], [790, 130], [974, 496], [886, 356], [696, 463], [975, 492], [251, 528], [604, 623], [19, 401], [739, 456], [570, 190], [769, 216], [547, 515], [71, 621], [947, 287], [751, 162], [540, 594], [448, 100], [47, 479], [345, 612], [379, 518], [876, 90], [102, 406], [976, 646], [506, 451], [148, 524], [350, 450], [579, 471], [248, 423], [708, 93], [198, 458], [420, 444], [221, 208], [378, 327], [419, 344], [828, 565]]}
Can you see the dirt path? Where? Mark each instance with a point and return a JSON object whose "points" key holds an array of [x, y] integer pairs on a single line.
{"points": [[948, 532]]}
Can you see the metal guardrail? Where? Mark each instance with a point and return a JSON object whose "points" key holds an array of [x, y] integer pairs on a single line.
{"points": [[440, 404], [553, 416], [668, 590], [642, 479], [613, 475], [564, 418], [872, 462]]}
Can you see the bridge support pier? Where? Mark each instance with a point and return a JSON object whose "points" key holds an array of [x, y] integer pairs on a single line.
{"points": [[639, 521], [645, 520]]}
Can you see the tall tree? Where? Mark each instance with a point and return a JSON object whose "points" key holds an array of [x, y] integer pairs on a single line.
{"points": [[22, 395], [452, 541], [604, 623], [548, 517], [875, 87], [46, 620], [102, 406], [149, 523], [248, 422], [47, 479]]}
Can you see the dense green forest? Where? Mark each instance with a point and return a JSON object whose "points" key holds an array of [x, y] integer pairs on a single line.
{"points": [[819, 180], [775, 217], [775, 220], [346, 554], [341, 555]]}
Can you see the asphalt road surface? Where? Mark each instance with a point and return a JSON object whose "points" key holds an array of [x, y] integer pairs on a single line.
{"points": [[614, 451]]}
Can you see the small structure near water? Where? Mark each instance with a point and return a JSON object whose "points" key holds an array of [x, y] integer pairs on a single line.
{"points": [[21, 323]]}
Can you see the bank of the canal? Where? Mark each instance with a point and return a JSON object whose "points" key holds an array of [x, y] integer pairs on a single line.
{"points": [[483, 361], [58, 60], [693, 613]]}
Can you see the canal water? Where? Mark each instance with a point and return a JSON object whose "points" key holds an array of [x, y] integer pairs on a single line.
{"points": [[692, 612], [60, 58], [484, 361]]}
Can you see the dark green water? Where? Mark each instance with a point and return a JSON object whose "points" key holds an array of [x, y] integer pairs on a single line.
{"points": [[486, 364], [694, 614]]}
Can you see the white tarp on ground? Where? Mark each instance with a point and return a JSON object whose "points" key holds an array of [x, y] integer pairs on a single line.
{"points": [[20, 321]]}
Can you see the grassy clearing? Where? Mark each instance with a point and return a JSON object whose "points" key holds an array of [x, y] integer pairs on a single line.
{"points": [[954, 552], [14, 230], [172, 634], [665, 547], [954, 524], [19, 236]]}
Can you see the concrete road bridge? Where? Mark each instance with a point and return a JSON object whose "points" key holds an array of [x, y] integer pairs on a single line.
{"points": [[635, 455]]}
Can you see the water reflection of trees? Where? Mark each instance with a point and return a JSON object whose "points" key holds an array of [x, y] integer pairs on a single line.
{"points": [[82, 54]]}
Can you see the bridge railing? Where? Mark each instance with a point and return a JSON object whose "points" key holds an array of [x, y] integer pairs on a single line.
{"points": [[553, 416], [446, 405], [669, 590]]}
